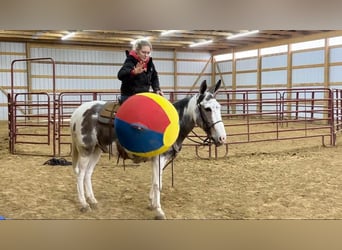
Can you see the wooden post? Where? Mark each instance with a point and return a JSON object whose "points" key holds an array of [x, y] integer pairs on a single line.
{"points": [[289, 79], [259, 72], [233, 106], [175, 85], [326, 79]]}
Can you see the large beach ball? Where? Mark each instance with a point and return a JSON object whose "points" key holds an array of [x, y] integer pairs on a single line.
{"points": [[146, 124]]}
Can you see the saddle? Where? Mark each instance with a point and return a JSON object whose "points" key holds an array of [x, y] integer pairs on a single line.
{"points": [[108, 112], [106, 118]]}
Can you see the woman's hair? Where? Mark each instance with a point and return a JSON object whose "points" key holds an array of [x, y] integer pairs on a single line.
{"points": [[140, 43]]}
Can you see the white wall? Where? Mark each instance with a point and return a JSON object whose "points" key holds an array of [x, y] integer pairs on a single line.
{"points": [[90, 68]]}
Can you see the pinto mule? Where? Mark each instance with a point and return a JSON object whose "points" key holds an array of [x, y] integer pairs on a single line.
{"points": [[91, 137]]}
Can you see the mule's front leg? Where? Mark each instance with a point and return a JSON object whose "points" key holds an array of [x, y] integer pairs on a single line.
{"points": [[156, 187]]}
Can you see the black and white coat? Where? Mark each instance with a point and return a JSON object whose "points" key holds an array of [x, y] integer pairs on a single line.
{"points": [[88, 138]]}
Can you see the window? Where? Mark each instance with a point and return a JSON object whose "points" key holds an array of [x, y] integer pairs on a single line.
{"points": [[273, 50], [335, 41], [247, 53], [223, 57], [308, 45]]}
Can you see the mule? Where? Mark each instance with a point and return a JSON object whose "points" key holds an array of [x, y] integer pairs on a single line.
{"points": [[90, 138]]}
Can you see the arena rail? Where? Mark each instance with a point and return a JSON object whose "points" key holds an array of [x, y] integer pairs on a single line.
{"points": [[28, 110], [288, 115], [337, 96], [250, 116]]}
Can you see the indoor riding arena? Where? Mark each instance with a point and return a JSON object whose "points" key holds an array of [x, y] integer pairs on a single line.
{"points": [[281, 105]]}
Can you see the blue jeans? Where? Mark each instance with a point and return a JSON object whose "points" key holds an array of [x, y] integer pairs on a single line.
{"points": [[123, 98]]}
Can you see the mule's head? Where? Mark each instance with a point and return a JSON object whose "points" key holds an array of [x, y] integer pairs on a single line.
{"points": [[209, 114]]}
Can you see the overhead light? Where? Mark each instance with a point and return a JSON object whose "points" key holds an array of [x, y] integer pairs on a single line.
{"points": [[243, 34], [167, 32], [67, 36], [201, 43]]}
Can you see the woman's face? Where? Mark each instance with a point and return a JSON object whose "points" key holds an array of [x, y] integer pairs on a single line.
{"points": [[144, 52]]}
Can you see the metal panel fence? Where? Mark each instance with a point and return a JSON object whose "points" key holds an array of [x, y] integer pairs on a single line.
{"points": [[249, 116]]}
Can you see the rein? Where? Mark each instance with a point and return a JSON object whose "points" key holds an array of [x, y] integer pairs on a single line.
{"points": [[201, 141]]}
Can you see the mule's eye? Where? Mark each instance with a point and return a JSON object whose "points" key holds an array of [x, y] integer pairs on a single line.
{"points": [[207, 109]]}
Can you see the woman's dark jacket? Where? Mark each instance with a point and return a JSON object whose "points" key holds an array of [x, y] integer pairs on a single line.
{"points": [[133, 84]]}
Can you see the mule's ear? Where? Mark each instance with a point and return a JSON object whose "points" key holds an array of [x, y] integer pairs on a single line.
{"points": [[215, 88], [203, 87], [127, 52]]}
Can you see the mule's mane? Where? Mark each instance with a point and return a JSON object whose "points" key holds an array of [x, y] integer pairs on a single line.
{"points": [[186, 109], [181, 105]]}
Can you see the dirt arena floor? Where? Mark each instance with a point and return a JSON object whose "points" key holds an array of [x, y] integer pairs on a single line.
{"points": [[293, 179]]}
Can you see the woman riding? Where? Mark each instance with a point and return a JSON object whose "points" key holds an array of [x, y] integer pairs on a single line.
{"points": [[138, 73]]}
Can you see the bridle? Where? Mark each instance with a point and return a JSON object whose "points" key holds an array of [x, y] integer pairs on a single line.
{"points": [[207, 125], [203, 141]]}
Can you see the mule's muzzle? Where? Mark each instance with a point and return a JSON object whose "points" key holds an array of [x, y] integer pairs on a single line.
{"points": [[219, 141]]}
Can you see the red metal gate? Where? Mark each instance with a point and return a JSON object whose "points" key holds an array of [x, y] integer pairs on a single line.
{"points": [[31, 114], [285, 114], [249, 116], [30, 122]]}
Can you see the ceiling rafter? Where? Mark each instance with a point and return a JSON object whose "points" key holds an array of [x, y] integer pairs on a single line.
{"points": [[179, 40]]}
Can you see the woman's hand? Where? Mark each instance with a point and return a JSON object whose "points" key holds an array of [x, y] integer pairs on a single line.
{"points": [[139, 68], [159, 92]]}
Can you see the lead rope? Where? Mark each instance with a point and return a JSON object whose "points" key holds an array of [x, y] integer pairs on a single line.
{"points": [[172, 179], [175, 151], [111, 128], [159, 172]]}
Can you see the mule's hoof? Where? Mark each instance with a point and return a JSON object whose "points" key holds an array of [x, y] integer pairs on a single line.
{"points": [[84, 209], [160, 217], [93, 206]]}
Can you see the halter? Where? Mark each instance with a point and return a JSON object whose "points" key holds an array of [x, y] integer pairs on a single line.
{"points": [[206, 124]]}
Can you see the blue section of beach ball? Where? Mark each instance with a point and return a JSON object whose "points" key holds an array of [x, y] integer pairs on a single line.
{"points": [[136, 137]]}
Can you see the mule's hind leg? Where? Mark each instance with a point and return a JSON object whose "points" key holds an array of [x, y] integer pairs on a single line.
{"points": [[157, 171], [87, 178], [82, 164]]}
